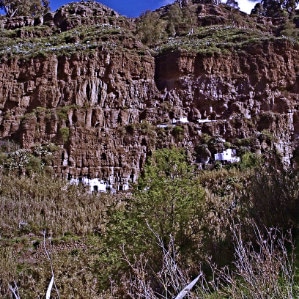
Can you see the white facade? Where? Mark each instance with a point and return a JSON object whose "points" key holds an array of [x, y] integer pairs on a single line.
{"points": [[206, 120], [163, 126], [97, 185], [181, 120], [229, 155]]}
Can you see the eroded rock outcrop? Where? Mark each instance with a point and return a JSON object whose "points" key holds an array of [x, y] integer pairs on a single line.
{"points": [[111, 101]]}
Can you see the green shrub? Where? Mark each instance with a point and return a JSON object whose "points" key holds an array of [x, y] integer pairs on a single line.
{"points": [[178, 133], [167, 201], [249, 160], [150, 28], [205, 138], [64, 134], [267, 136]]}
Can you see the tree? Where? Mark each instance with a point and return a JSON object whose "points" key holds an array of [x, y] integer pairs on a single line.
{"points": [[275, 8], [258, 10], [168, 198], [150, 28], [272, 8], [168, 202], [175, 17], [233, 3], [24, 7]]}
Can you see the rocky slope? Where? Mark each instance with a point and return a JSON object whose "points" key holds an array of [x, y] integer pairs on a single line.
{"points": [[82, 79]]}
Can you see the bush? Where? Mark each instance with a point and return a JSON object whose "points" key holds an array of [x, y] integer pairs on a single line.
{"points": [[272, 197], [178, 133], [249, 160], [150, 28], [263, 268], [64, 134], [168, 200]]}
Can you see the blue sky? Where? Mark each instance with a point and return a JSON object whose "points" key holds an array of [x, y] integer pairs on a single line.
{"points": [[133, 8], [130, 8]]}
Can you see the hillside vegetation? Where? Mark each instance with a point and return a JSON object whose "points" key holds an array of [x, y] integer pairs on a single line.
{"points": [[147, 103], [105, 245]]}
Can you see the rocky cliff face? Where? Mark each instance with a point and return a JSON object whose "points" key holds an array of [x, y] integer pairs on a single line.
{"points": [[90, 86], [94, 96], [245, 92]]}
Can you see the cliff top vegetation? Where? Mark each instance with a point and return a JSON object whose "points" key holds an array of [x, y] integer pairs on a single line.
{"points": [[191, 26]]}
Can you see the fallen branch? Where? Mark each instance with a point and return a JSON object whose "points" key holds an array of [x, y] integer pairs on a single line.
{"points": [[48, 294], [52, 281], [188, 288], [14, 290]]}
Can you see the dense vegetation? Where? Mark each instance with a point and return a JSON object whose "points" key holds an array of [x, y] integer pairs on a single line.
{"points": [[179, 26], [178, 222], [25, 8]]}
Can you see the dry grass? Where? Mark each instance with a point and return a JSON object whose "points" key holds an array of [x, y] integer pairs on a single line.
{"points": [[31, 205], [76, 225], [73, 220]]}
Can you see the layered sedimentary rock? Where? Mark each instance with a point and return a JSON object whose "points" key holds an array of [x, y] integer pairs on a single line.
{"points": [[99, 95], [253, 88], [108, 101]]}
